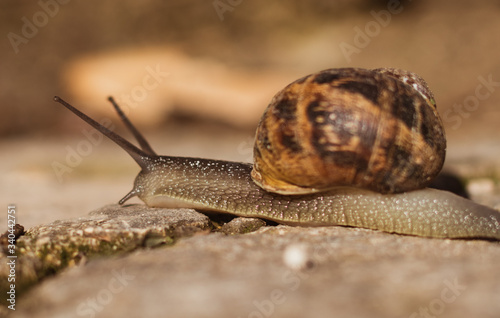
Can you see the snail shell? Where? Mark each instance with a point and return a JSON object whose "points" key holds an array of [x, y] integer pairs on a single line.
{"points": [[371, 129]]}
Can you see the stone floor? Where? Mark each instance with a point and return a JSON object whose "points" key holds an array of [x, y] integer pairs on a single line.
{"points": [[277, 271]]}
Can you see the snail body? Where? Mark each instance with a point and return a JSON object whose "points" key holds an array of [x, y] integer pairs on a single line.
{"points": [[401, 205], [227, 187]]}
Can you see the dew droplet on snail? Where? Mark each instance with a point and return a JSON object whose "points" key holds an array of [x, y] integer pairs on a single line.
{"points": [[346, 147]]}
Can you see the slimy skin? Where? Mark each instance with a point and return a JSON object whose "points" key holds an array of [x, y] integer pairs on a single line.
{"points": [[227, 187]]}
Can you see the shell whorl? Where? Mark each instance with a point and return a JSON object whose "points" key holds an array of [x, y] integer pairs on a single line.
{"points": [[370, 129]]}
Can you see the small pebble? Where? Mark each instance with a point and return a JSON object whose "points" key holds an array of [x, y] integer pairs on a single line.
{"points": [[296, 257], [242, 225]]}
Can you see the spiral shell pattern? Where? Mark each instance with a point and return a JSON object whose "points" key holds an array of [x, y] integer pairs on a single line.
{"points": [[372, 129]]}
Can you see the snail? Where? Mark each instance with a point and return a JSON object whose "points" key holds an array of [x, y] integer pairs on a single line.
{"points": [[348, 147]]}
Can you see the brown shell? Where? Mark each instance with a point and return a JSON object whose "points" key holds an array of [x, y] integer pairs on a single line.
{"points": [[373, 129]]}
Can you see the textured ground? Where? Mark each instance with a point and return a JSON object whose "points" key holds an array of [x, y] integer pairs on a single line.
{"points": [[169, 263]]}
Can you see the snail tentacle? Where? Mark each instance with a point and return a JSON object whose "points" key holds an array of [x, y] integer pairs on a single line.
{"points": [[138, 136], [137, 154]]}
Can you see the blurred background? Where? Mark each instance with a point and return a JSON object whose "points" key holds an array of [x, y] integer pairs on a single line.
{"points": [[196, 75]]}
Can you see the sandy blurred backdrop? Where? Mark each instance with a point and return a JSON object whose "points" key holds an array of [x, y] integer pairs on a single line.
{"points": [[196, 75]]}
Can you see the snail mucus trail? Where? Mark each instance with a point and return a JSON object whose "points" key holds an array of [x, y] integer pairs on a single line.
{"points": [[228, 187]]}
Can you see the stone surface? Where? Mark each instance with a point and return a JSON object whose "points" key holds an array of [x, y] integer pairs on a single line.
{"points": [[277, 270], [112, 230], [349, 273]]}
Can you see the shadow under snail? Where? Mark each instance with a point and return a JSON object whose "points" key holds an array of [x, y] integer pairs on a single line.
{"points": [[349, 146]]}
